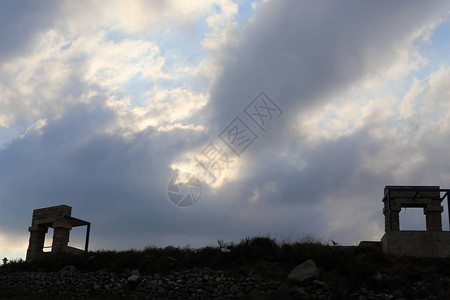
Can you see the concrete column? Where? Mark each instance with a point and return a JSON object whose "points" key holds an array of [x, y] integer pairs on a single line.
{"points": [[433, 217], [395, 219], [61, 234], [36, 242]]}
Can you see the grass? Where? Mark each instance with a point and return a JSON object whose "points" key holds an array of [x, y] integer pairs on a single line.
{"points": [[341, 266]]}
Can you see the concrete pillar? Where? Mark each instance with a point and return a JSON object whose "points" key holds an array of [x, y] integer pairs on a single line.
{"points": [[36, 242], [61, 234], [395, 219], [433, 217]]}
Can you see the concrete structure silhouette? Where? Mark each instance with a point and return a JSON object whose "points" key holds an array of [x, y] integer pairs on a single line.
{"points": [[59, 218], [430, 243]]}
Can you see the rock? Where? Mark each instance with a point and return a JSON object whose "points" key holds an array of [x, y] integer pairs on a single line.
{"points": [[133, 278], [362, 291], [304, 271], [234, 289], [378, 276], [135, 272], [225, 250], [319, 283], [69, 270]]}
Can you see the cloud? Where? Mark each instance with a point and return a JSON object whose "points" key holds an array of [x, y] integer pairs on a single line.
{"points": [[314, 58], [20, 21], [293, 50], [88, 49]]}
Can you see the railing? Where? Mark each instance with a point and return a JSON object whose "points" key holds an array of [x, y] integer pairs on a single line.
{"points": [[77, 222]]}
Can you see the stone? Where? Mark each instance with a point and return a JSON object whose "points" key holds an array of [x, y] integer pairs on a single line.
{"points": [[133, 278], [378, 276], [362, 291], [234, 289], [398, 294], [68, 270], [304, 271], [319, 283]]}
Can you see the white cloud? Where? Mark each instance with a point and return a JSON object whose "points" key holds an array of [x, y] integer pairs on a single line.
{"points": [[36, 128], [164, 109], [86, 51], [222, 25]]}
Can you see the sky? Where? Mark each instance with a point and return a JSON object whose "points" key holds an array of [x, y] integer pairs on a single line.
{"points": [[289, 117]]}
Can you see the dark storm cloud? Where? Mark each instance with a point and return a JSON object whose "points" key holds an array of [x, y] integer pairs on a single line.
{"points": [[310, 177], [20, 21], [119, 184], [302, 54]]}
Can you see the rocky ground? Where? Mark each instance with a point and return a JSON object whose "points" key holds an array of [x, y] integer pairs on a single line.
{"points": [[190, 284]]}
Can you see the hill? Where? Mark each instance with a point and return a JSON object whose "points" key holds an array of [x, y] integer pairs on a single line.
{"points": [[255, 268]]}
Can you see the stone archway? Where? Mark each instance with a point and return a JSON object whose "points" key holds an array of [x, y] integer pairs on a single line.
{"points": [[59, 218], [433, 242]]}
